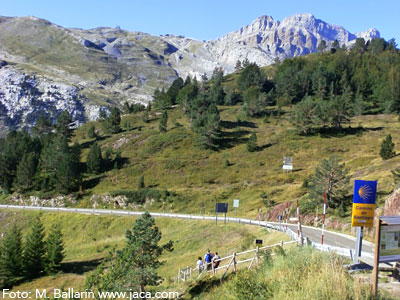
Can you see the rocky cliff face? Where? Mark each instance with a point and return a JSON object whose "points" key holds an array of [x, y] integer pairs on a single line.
{"points": [[45, 68]]}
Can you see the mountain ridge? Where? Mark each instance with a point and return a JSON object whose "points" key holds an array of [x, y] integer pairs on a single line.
{"points": [[107, 66]]}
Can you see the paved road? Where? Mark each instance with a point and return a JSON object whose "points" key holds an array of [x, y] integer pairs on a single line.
{"points": [[314, 234]]}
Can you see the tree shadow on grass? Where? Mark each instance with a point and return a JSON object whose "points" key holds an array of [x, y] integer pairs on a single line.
{"points": [[263, 147], [203, 285], [80, 267], [88, 144], [92, 182], [338, 132], [232, 125]]}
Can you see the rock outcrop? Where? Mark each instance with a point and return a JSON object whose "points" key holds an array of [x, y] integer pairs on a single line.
{"points": [[392, 204]]}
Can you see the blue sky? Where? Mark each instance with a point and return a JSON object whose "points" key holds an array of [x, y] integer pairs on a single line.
{"points": [[206, 19]]}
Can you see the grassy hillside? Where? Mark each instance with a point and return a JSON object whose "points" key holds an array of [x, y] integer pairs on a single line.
{"points": [[100, 234], [172, 161], [301, 273]]}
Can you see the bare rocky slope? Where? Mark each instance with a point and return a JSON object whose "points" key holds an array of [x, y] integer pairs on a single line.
{"points": [[45, 68]]}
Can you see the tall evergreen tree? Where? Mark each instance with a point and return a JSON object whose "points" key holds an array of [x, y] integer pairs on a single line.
{"points": [[11, 269], [55, 250], [42, 126], [238, 66], [252, 143], [94, 160], [163, 122], [208, 127], [59, 165], [251, 75], [387, 148], [217, 93], [136, 265], [34, 250], [26, 171], [331, 177], [304, 116], [112, 123], [63, 126]]}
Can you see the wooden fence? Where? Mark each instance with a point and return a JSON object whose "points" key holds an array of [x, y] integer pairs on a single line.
{"points": [[250, 256]]}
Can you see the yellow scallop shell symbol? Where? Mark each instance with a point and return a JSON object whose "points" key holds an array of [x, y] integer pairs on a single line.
{"points": [[365, 192]]}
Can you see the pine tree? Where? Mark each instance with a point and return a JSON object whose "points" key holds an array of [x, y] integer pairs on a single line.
{"points": [[136, 265], [252, 143], [55, 250], [321, 46], [11, 270], [163, 122], [91, 132], [112, 123], [304, 116], [331, 177], [34, 250], [396, 177], [208, 127], [145, 117], [42, 126], [141, 182], [59, 165], [63, 125], [358, 104], [387, 148], [217, 93], [94, 160], [26, 171], [238, 66]]}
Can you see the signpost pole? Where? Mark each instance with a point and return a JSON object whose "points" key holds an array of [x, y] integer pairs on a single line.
{"points": [[323, 222], [358, 244], [216, 218], [376, 258]]}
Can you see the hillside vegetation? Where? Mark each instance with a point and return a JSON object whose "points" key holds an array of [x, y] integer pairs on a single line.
{"points": [[306, 108], [99, 235], [299, 273]]}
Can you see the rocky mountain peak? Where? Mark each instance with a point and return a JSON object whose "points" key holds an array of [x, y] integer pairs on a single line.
{"points": [[85, 71]]}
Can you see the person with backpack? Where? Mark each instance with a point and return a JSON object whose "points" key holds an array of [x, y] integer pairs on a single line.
{"points": [[208, 259]]}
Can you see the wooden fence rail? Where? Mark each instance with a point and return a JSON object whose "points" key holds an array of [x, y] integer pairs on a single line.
{"points": [[188, 272]]}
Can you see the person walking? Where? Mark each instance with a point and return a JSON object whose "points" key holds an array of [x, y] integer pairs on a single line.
{"points": [[215, 260], [208, 259], [200, 264]]}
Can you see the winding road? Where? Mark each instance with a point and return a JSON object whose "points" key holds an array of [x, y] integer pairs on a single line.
{"points": [[313, 234]]}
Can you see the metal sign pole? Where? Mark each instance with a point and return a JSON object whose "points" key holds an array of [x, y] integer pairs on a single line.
{"points": [[358, 244], [216, 218], [376, 258], [323, 222]]}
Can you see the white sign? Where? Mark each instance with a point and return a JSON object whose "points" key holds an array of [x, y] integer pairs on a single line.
{"points": [[236, 203], [287, 167]]}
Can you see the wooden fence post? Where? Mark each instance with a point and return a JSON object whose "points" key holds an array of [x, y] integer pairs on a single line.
{"points": [[234, 261], [212, 266], [179, 274]]}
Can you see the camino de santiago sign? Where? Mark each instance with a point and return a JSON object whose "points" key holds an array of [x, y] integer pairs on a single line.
{"points": [[364, 203]]}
